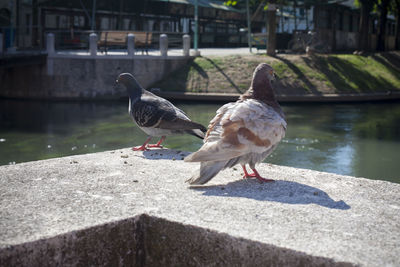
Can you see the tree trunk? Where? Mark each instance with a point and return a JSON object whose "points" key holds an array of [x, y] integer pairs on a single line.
{"points": [[295, 14], [282, 22], [334, 27], [306, 9], [397, 34], [271, 27], [35, 24], [119, 21], [366, 7], [383, 10]]}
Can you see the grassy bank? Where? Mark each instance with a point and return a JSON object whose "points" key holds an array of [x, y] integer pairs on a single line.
{"points": [[299, 74]]}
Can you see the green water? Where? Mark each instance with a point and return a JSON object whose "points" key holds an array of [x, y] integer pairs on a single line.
{"points": [[351, 139]]}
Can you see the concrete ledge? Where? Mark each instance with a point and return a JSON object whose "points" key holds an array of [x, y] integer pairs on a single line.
{"points": [[150, 241], [123, 56], [131, 208]]}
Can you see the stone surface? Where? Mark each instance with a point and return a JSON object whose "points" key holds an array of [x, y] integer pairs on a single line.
{"points": [[61, 208], [72, 76]]}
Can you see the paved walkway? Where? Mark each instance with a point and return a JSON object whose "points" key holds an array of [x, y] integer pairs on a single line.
{"points": [[173, 52]]}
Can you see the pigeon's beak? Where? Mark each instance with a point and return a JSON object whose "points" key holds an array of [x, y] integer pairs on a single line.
{"points": [[276, 77]]}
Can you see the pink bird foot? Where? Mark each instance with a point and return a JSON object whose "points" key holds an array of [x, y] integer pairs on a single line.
{"points": [[146, 145], [140, 148], [158, 145], [255, 174]]}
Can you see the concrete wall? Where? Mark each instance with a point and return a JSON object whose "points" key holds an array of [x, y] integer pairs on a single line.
{"points": [[131, 208], [150, 241], [82, 76]]}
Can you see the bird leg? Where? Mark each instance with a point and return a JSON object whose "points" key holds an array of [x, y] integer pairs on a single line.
{"points": [[254, 174], [246, 174], [142, 147], [158, 144]]}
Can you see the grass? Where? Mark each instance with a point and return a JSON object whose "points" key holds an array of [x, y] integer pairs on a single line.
{"points": [[299, 74]]}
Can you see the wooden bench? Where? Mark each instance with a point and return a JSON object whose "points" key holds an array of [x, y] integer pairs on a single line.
{"points": [[143, 40]]}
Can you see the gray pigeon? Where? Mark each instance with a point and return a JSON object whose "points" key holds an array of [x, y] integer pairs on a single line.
{"points": [[244, 132], [155, 115]]}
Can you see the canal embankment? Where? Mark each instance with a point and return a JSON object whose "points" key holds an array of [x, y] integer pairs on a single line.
{"points": [[65, 76], [290, 98], [134, 209], [302, 78], [318, 78]]}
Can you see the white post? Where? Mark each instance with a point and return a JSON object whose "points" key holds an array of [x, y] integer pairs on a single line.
{"points": [[93, 44], [50, 44], [186, 45], [1, 43], [164, 45], [130, 39]]}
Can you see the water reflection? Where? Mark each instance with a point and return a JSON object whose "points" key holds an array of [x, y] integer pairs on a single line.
{"points": [[350, 139]]}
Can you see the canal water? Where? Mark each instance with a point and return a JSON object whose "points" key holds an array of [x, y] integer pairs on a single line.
{"points": [[360, 140]]}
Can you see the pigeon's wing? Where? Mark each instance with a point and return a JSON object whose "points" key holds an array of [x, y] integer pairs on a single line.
{"points": [[180, 112], [243, 127], [156, 112]]}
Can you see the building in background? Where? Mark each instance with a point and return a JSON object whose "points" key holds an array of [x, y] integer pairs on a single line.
{"points": [[24, 23]]}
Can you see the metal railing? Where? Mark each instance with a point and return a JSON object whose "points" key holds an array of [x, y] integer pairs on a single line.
{"points": [[34, 38], [163, 41], [12, 40]]}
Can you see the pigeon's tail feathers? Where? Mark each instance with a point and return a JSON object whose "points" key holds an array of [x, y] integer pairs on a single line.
{"points": [[180, 124], [207, 171], [197, 132], [213, 152], [200, 127]]}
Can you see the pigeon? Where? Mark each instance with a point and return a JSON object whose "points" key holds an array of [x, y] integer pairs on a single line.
{"points": [[243, 132], [155, 115]]}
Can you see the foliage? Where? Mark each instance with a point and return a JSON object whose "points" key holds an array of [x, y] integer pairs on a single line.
{"points": [[230, 3]]}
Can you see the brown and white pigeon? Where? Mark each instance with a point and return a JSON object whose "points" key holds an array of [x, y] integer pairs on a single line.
{"points": [[156, 116], [244, 132]]}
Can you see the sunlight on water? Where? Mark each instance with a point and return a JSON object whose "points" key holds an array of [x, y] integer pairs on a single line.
{"points": [[351, 139]]}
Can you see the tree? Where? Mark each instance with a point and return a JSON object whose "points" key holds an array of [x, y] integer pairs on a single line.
{"points": [[271, 28], [383, 7], [366, 8], [35, 23], [395, 9], [270, 6]]}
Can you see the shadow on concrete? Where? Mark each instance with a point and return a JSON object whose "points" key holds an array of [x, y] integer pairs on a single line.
{"points": [[178, 81], [288, 192], [165, 153], [145, 240]]}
